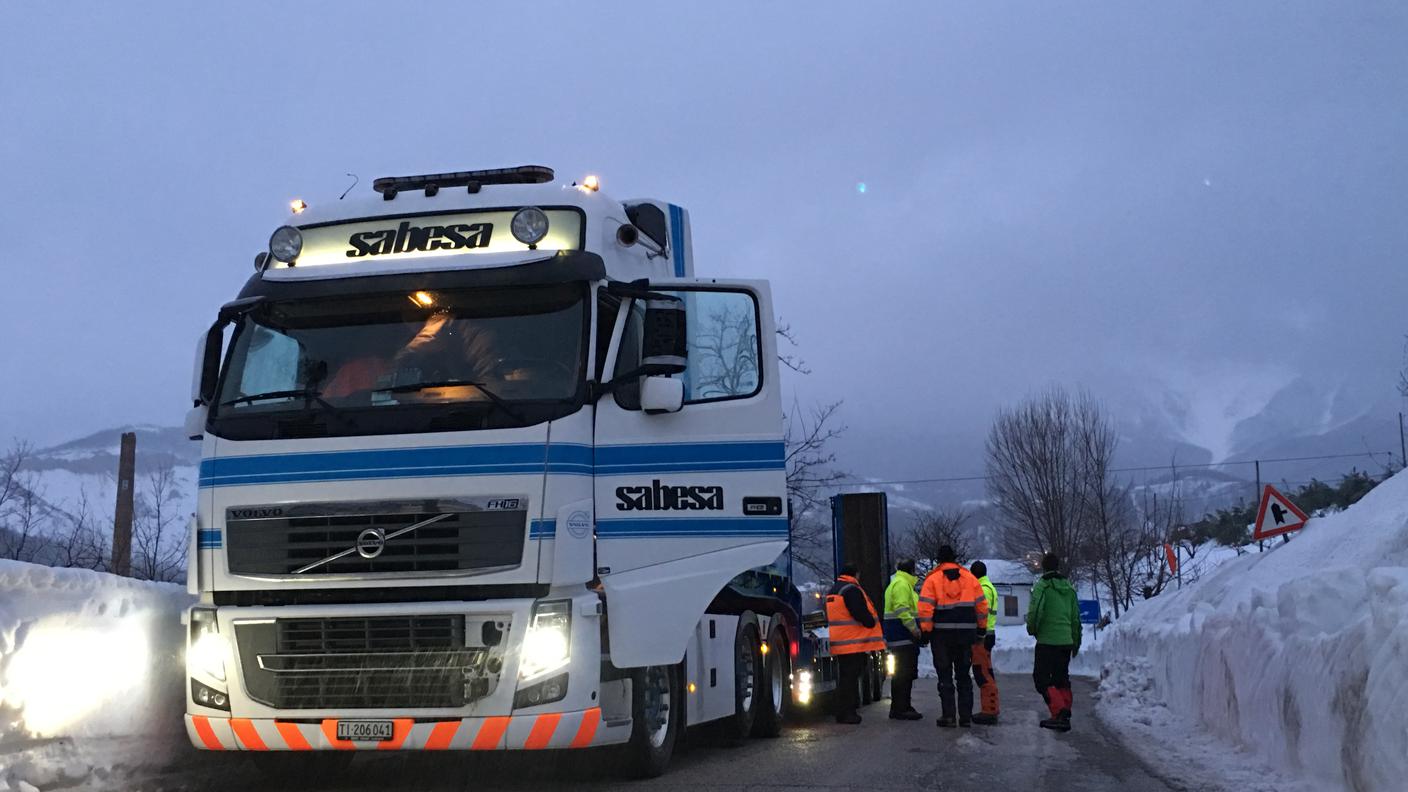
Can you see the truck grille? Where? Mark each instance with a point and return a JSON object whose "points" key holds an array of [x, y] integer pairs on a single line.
{"points": [[461, 541], [364, 663]]}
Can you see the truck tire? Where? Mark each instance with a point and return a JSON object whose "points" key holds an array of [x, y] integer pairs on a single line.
{"points": [[747, 681], [776, 695], [657, 720]]}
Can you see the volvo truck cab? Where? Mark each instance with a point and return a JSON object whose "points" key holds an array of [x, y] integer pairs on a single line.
{"points": [[486, 466]]}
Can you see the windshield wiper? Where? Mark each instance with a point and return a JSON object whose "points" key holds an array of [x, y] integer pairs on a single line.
{"points": [[308, 394], [498, 400], [282, 394]]}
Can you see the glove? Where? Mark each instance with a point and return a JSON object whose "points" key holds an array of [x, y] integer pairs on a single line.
{"points": [[989, 641], [915, 632], [1075, 650]]}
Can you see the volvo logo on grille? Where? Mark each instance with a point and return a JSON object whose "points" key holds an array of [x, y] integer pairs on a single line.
{"points": [[370, 543]]}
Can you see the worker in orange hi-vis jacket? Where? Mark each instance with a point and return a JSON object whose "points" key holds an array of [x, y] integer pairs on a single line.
{"points": [[954, 613]]}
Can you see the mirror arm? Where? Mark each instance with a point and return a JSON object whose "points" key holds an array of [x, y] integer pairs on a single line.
{"points": [[637, 290]]}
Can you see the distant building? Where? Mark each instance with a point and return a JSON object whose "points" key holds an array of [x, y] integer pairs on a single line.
{"points": [[1013, 581]]}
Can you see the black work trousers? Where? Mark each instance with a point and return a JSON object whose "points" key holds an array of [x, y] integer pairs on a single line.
{"points": [[902, 683], [849, 668], [954, 664], [1051, 668]]}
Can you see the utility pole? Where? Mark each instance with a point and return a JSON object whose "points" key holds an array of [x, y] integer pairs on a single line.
{"points": [[122, 519], [1260, 546], [1402, 446]]}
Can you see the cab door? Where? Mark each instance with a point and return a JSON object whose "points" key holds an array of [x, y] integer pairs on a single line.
{"points": [[687, 500]]}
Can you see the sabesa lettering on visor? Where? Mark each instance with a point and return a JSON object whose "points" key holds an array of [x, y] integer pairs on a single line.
{"points": [[406, 238]]}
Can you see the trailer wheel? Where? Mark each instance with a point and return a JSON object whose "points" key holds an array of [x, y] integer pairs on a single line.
{"points": [[777, 688], [657, 718], [748, 681]]}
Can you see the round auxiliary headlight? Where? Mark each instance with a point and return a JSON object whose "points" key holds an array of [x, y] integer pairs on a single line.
{"points": [[286, 243], [529, 225]]}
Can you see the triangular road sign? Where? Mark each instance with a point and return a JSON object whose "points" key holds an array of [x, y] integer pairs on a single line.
{"points": [[1277, 515]]}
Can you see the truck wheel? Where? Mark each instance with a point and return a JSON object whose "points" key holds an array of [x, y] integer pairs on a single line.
{"points": [[657, 717], [747, 681], [776, 693]]}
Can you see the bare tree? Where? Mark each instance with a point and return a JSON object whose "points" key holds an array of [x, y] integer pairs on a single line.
{"points": [[82, 543], [810, 476], [930, 532], [1036, 475], [158, 543], [21, 511], [1115, 545]]}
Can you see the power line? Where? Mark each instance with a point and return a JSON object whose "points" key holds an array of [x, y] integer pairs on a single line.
{"points": [[1137, 469]]}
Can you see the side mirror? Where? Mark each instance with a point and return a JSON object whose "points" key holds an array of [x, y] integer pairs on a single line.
{"points": [[664, 344], [195, 421], [661, 394]]}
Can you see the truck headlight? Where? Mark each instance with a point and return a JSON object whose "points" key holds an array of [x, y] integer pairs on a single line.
{"points": [[548, 645], [206, 651]]}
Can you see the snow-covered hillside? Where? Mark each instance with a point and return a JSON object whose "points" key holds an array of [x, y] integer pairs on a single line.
{"points": [[1298, 654], [84, 470]]}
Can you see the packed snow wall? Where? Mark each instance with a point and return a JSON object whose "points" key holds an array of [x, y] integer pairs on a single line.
{"points": [[1299, 654], [86, 654]]}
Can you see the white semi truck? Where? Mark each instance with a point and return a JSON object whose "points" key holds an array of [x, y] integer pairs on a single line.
{"points": [[485, 466]]}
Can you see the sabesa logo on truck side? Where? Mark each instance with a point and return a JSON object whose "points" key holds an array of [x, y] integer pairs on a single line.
{"points": [[474, 402]]}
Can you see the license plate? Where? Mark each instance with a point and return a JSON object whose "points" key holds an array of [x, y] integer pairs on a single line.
{"points": [[367, 731]]}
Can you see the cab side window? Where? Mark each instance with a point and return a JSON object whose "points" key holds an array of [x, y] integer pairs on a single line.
{"points": [[724, 348]]}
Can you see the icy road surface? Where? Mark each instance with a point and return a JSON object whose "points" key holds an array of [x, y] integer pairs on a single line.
{"points": [[815, 753]]}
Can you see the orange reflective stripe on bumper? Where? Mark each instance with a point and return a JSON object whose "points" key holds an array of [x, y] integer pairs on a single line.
{"points": [[247, 734], [206, 733], [542, 731], [441, 736], [490, 734], [293, 738], [590, 720]]}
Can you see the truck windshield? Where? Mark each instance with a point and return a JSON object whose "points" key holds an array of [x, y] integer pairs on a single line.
{"points": [[398, 363]]}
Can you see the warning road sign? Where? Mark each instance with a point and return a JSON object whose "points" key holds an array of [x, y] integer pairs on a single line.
{"points": [[1277, 515]]}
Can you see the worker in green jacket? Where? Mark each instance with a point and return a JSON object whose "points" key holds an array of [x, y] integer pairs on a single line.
{"points": [[901, 630], [983, 676], [1054, 618]]}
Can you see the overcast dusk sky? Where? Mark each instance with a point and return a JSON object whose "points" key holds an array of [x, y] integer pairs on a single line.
{"points": [[1202, 198]]}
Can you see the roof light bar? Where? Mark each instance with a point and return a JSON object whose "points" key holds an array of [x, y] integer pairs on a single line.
{"points": [[388, 186]]}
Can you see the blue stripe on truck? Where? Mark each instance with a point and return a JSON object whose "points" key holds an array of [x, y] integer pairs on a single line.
{"points": [[527, 458], [689, 527], [677, 239]]}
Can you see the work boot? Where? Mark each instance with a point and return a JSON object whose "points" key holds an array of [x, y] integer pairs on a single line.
{"points": [[848, 718], [965, 721], [984, 718], [909, 714], [947, 722], [1056, 724]]}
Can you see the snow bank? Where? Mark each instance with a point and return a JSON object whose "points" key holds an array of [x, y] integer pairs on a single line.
{"points": [[1298, 655], [87, 654]]}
